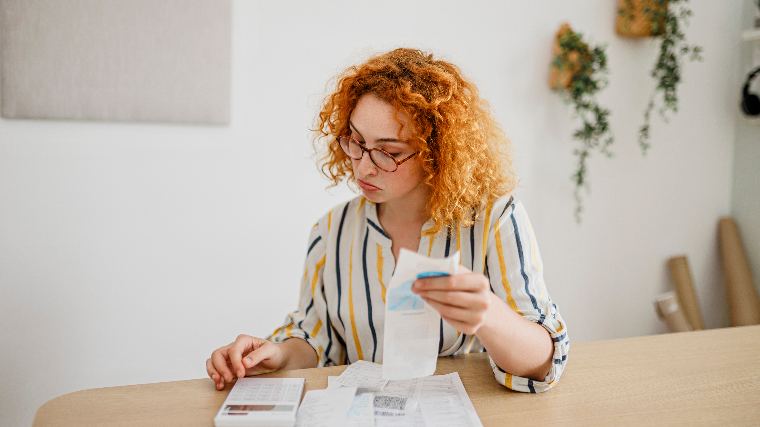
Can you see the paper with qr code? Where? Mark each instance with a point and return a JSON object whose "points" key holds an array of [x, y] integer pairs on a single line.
{"points": [[410, 344], [436, 401]]}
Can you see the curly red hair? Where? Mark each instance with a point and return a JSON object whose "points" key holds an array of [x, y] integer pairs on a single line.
{"points": [[465, 155]]}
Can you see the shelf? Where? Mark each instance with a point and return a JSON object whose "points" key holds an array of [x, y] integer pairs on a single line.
{"points": [[751, 35]]}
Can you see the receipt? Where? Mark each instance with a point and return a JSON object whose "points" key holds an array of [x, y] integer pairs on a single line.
{"points": [[363, 374], [327, 407], [410, 345], [445, 403], [362, 411]]}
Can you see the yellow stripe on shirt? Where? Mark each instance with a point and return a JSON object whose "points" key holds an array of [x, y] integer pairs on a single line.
{"points": [[320, 264], [320, 352], [430, 245], [380, 270], [277, 331], [315, 331]]}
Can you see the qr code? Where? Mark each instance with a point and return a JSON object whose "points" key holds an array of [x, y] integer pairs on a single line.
{"points": [[386, 402]]}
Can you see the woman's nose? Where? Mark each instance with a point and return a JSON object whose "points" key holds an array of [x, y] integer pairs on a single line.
{"points": [[366, 166]]}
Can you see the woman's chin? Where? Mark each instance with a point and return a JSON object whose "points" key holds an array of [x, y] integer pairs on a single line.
{"points": [[373, 195]]}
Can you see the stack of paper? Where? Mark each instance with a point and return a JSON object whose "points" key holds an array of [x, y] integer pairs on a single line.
{"points": [[436, 401]]}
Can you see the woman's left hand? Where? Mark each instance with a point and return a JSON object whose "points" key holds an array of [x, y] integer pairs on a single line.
{"points": [[463, 299]]}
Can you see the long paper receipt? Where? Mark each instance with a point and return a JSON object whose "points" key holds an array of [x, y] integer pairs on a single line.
{"points": [[410, 345]]}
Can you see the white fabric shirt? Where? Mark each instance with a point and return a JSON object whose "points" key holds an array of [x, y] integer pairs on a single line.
{"points": [[349, 262]]}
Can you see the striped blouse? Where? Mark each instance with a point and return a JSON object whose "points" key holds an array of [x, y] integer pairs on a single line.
{"points": [[349, 262]]}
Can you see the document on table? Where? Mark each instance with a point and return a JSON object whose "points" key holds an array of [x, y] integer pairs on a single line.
{"points": [[362, 411], [261, 402], [328, 407], [363, 374], [410, 345], [438, 400], [444, 402]]}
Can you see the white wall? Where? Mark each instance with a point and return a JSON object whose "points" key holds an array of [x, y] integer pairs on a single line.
{"points": [[128, 252], [745, 206]]}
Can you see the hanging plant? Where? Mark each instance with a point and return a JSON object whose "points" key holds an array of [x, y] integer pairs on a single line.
{"points": [[665, 20], [579, 71]]}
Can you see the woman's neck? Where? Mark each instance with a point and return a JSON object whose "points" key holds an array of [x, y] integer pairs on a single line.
{"points": [[411, 209]]}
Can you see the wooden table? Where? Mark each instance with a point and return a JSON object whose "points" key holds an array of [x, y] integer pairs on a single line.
{"points": [[708, 377]]}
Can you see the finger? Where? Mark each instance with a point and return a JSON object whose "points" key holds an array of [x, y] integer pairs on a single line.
{"points": [[254, 358], [459, 282], [471, 300], [211, 371], [455, 313], [215, 377], [219, 359], [242, 344]]}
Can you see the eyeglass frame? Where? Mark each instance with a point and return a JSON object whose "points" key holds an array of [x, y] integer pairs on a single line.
{"points": [[370, 150]]}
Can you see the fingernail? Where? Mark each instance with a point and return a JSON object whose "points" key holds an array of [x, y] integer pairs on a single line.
{"points": [[248, 360]]}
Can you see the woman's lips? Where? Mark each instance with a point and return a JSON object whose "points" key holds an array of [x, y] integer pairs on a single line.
{"points": [[367, 186]]}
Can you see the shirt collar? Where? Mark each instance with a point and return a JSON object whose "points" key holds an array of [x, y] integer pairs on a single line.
{"points": [[373, 222]]}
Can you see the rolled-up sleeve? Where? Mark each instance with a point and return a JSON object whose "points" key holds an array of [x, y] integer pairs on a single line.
{"points": [[516, 276], [310, 322]]}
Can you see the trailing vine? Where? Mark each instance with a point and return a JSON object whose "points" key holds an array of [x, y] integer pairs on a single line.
{"points": [[668, 18], [588, 66]]}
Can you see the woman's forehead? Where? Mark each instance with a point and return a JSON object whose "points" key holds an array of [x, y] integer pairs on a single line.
{"points": [[375, 119]]}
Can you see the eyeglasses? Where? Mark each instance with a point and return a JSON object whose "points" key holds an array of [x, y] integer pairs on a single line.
{"points": [[381, 158]]}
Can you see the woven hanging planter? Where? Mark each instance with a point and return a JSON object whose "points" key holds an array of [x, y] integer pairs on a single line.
{"points": [[561, 75], [635, 18]]}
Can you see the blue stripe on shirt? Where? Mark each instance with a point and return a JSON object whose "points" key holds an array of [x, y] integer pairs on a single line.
{"points": [[314, 243], [337, 262], [329, 328], [378, 228], [522, 264], [369, 298]]}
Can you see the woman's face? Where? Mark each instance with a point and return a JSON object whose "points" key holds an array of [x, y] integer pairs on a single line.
{"points": [[375, 124]]}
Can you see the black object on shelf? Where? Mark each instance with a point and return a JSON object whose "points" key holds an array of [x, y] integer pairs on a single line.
{"points": [[750, 101]]}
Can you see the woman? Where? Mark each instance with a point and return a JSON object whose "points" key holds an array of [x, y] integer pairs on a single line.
{"points": [[436, 177]]}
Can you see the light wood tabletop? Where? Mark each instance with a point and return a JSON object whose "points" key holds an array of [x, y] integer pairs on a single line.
{"points": [[707, 377]]}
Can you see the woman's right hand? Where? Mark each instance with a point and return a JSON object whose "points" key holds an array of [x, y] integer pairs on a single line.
{"points": [[245, 356]]}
